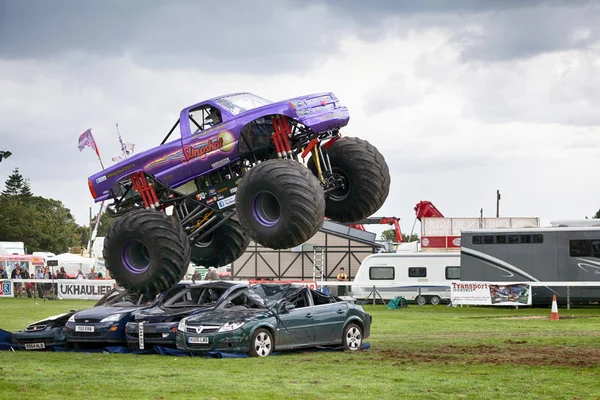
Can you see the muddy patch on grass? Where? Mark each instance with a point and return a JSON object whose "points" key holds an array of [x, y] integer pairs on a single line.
{"points": [[516, 352], [526, 317]]}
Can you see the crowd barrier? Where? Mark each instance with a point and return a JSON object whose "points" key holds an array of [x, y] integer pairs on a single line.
{"points": [[81, 289]]}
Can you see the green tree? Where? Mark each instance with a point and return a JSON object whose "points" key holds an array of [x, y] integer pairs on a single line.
{"points": [[105, 223], [390, 234], [16, 185], [42, 224]]}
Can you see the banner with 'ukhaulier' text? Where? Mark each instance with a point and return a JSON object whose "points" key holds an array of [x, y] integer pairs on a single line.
{"points": [[490, 294], [84, 289]]}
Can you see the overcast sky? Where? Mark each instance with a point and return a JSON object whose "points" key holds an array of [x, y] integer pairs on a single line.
{"points": [[462, 97]]}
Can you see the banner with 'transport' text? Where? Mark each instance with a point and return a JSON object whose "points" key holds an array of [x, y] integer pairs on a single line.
{"points": [[490, 294]]}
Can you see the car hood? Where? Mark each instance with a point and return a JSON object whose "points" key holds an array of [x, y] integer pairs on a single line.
{"points": [[97, 313], [159, 314], [55, 320], [220, 317]]}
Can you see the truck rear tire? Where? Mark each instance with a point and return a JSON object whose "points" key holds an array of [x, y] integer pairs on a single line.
{"points": [[224, 245], [280, 204], [146, 252], [367, 175]]}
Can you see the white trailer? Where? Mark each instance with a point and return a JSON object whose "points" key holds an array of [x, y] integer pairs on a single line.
{"points": [[398, 274]]}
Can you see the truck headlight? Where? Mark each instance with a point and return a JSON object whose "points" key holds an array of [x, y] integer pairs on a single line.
{"points": [[112, 318], [231, 326], [304, 112], [72, 318]]}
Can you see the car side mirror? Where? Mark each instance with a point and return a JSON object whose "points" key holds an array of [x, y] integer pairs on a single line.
{"points": [[287, 307]]}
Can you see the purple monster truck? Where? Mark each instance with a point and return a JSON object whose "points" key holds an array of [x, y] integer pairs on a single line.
{"points": [[239, 171]]}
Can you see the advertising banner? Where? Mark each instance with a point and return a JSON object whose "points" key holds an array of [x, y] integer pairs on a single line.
{"points": [[83, 289], [7, 288], [490, 294]]}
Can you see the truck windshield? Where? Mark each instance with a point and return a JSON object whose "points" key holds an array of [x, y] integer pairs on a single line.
{"points": [[239, 103]]}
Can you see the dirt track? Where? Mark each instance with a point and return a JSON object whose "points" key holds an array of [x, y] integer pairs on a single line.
{"points": [[516, 352]]}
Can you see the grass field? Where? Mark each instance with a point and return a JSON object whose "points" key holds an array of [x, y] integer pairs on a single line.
{"points": [[429, 352]]}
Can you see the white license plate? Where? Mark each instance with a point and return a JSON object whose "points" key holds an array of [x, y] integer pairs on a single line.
{"points": [[33, 346], [200, 340], [84, 328]]}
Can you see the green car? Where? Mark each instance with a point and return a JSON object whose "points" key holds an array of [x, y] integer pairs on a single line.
{"points": [[267, 317]]}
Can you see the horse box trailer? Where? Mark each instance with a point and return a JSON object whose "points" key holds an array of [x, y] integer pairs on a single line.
{"points": [[551, 254], [402, 274]]}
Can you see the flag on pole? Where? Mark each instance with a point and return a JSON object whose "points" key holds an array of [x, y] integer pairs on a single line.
{"points": [[86, 139], [126, 147]]}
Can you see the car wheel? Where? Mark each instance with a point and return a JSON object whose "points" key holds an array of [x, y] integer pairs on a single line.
{"points": [[421, 300], [435, 300], [352, 337], [262, 343]]}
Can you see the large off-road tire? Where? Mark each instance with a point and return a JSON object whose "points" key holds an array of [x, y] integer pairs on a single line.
{"points": [[146, 251], [367, 175], [280, 204], [224, 245]]}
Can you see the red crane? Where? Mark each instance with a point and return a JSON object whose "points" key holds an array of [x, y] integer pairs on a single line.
{"points": [[384, 220], [423, 209]]}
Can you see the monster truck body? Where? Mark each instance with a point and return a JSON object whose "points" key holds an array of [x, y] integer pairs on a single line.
{"points": [[242, 168], [199, 152]]}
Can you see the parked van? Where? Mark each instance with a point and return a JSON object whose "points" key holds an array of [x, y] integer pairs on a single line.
{"points": [[398, 274]]}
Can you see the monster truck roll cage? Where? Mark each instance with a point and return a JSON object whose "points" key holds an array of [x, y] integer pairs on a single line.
{"points": [[290, 139]]}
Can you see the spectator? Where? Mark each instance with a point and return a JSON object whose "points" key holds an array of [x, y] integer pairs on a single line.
{"points": [[212, 275], [196, 276], [79, 275], [92, 274], [3, 274], [16, 274], [61, 274], [342, 277], [100, 275], [39, 274]]}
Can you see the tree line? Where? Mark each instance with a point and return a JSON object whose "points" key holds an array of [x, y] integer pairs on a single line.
{"points": [[43, 224], [47, 225]]}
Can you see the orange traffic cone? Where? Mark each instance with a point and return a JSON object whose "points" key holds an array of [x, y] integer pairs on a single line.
{"points": [[554, 313]]}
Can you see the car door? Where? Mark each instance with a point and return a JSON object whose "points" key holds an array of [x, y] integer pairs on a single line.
{"points": [[296, 327], [205, 138], [329, 317]]}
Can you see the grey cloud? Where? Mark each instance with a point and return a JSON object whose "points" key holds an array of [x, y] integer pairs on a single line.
{"points": [[391, 93], [261, 37], [489, 31], [234, 36], [518, 34]]}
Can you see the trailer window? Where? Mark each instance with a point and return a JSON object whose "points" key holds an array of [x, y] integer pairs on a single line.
{"points": [[452, 272], [476, 239], [525, 238], [513, 239], [381, 273], [579, 248], [538, 238], [596, 248], [501, 239], [488, 239], [417, 272]]}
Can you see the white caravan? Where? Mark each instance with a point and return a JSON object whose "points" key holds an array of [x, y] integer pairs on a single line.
{"points": [[397, 274]]}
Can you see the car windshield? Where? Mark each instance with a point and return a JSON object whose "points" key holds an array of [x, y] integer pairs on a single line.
{"points": [[263, 295], [239, 103]]}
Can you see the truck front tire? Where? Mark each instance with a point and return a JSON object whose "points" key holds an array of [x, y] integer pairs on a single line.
{"points": [[280, 204]]}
